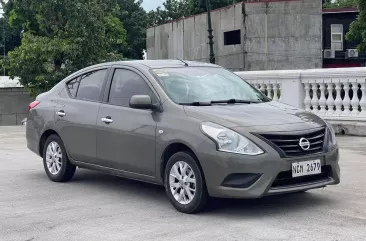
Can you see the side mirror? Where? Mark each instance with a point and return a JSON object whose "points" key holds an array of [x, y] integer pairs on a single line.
{"points": [[142, 102]]}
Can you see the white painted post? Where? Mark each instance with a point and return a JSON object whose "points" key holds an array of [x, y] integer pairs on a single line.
{"points": [[338, 100], [363, 100], [292, 92], [307, 100], [275, 92], [315, 99], [262, 88], [257, 86], [355, 101], [346, 100], [281, 93], [330, 100], [322, 100], [269, 91]]}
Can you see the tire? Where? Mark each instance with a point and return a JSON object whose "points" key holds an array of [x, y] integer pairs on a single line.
{"points": [[187, 203], [61, 170]]}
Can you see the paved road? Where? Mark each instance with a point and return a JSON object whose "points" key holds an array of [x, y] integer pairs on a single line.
{"points": [[95, 206]]}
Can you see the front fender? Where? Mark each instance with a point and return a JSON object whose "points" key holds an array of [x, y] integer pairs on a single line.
{"points": [[188, 135]]}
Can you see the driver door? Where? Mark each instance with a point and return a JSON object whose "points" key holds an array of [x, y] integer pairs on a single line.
{"points": [[126, 136]]}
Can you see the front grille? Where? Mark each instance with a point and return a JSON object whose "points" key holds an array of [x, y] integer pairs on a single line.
{"points": [[285, 178], [289, 144]]}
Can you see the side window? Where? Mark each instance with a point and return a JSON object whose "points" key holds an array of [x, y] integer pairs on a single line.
{"points": [[125, 84], [73, 86], [91, 84]]}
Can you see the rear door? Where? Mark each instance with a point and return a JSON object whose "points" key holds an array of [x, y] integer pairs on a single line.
{"points": [[127, 143], [76, 114]]}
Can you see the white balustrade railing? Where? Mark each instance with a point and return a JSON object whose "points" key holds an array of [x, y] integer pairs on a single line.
{"points": [[334, 99], [270, 88], [335, 94]]}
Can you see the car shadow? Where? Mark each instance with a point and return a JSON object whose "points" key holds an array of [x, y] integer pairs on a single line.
{"points": [[105, 183], [268, 206], [248, 208]]}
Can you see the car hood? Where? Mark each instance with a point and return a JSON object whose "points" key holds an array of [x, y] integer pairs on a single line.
{"points": [[261, 114]]}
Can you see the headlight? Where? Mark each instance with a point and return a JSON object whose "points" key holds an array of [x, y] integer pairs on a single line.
{"points": [[331, 135], [230, 141]]}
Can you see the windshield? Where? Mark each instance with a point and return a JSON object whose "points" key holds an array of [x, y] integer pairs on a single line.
{"points": [[205, 84]]}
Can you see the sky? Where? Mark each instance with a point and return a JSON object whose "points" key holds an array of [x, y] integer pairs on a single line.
{"points": [[152, 4]]}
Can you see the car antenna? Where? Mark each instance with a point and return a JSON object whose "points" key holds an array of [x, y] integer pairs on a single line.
{"points": [[185, 63]]}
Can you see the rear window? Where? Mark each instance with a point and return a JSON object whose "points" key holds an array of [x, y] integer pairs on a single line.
{"points": [[91, 84]]}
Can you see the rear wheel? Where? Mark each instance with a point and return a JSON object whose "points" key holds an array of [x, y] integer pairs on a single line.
{"points": [[184, 183], [55, 161]]}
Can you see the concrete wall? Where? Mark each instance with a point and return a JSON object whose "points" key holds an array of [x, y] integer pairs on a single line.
{"points": [[283, 35], [188, 38], [13, 105], [275, 35]]}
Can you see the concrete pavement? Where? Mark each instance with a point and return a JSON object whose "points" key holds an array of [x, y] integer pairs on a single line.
{"points": [[95, 206]]}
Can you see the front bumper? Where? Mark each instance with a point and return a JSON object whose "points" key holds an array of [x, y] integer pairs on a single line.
{"points": [[217, 166]]}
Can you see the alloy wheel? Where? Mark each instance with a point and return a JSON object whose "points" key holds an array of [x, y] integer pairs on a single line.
{"points": [[182, 182], [54, 158]]}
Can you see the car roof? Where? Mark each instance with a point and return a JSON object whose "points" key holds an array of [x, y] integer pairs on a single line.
{"points": [[166, 63], [151, 64]]}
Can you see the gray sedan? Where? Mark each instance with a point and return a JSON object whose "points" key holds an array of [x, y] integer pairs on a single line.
{"points": [[196, 128]]}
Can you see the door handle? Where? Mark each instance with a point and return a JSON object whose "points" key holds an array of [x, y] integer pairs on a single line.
{"points": [[61, 113], [107, 120]]}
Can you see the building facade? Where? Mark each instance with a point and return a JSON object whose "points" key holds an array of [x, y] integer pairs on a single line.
{"points": [[338, 52], [253, 35]]}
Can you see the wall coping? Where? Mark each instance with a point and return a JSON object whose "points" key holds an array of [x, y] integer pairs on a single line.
{"points": [[345, 73], [223, 8]]}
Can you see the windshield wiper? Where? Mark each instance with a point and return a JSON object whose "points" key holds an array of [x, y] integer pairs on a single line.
{"points": [[234, 101], [229, 101], [197, 103]]}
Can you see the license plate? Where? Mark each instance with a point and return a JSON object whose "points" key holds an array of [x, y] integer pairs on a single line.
{"points": [[306, 168]]}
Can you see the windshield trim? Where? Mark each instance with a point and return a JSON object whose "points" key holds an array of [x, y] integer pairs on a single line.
{"points": [[156, 77]]}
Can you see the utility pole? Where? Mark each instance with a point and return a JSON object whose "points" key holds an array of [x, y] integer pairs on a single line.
{"points": [[210, 30], [4, 43], [2, 14]]}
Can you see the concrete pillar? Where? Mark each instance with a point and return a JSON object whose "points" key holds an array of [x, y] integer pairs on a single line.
{"points": [[293, 92]]}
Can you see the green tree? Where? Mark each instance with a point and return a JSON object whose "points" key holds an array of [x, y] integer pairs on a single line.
{"points": [[340, 3], [12, 39], [11, 35], [357, 32], [199, 6], [135, 20], [62, 36], [172, 10], [176, 9]]}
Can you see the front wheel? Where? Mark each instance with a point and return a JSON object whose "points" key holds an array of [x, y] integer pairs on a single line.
{"points": [[55, 161], [184, 183]]}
